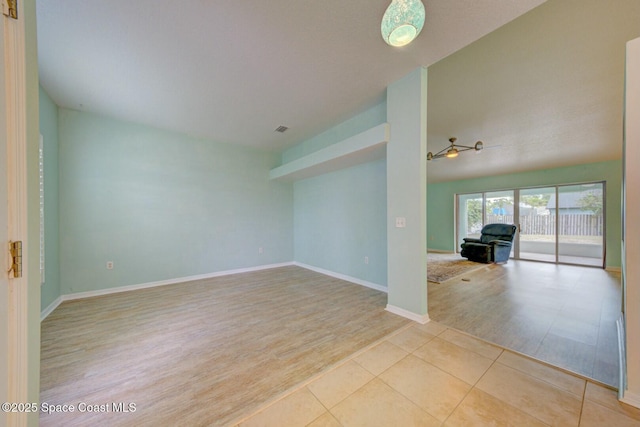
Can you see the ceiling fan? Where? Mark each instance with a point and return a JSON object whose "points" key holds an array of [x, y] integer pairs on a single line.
{"points": [[453, 150]]}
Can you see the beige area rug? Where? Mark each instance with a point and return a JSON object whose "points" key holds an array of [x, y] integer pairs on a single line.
{"points": [[446, 266]]}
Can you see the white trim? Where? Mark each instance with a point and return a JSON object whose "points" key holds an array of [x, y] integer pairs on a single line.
{"points": [[440, 251], [343, 277], [420, 318], [41, 242], [80, 295], [613, 269], [49, 309], [622, 356], [364, 147], [632, 399], [18, 356], [100, 292]]}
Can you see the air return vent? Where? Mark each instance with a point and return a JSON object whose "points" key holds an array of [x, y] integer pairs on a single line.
{"points": [[281, 129]]}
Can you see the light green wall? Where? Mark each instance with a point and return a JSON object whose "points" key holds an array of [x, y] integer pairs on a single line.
{"points": [[406, 194], [340, 218], [441, 200], [162, 205], [50, 290]]}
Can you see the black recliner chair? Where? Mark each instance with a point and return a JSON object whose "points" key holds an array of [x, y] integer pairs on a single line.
{"points": [[494, 244]]}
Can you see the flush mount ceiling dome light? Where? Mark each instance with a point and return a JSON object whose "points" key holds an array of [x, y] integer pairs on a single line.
{"points": [[402, 22]]}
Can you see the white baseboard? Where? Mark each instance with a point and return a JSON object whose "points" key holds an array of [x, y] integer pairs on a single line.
{"points": [[624, 395], [100, 292], [420, 318], [49, 309], [614, 269], [622, 358], [343, 277], [440, 251]]}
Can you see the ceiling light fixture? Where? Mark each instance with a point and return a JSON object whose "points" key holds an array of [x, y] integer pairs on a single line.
{"points": [[402, 22], [453, 150]]}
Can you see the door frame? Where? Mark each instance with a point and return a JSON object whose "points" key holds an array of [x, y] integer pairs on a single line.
{"points": [[14, 143]]}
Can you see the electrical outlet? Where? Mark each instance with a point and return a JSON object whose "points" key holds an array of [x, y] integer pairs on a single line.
{"points": [[401, 222], [260, 250], [109, 265], [366, 260]]}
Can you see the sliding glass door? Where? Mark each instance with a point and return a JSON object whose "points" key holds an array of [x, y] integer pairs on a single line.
{"points": [[470, 216], [537, 222], [475, 210], [499, 209], [560, 224], [581, 224]]}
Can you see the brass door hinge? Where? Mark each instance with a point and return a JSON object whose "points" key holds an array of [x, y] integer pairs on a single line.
{"points": [[15, 249], [10, 8]]}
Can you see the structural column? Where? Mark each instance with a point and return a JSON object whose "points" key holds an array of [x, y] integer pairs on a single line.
{"points": [[407, 196]]}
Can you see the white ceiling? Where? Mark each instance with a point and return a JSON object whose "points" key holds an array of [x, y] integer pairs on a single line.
{"points": [[234, 70]]}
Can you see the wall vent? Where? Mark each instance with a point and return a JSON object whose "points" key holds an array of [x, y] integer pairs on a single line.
{"points": [[281, 129]]}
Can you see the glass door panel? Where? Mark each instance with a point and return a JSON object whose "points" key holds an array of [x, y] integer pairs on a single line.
{"points": [[581, 224], [499, 209], [469, 216], [537, 221]]}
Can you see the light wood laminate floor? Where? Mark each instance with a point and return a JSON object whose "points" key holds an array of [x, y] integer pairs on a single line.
{"points": [[560, 314], [97, 351], [204, 352]]}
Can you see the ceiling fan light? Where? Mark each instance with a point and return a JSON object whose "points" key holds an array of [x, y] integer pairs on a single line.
{"points": [[402, 22], [451, 153]]}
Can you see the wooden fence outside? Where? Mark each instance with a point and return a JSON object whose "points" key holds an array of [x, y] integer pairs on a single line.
{"points": [[569, 224]]}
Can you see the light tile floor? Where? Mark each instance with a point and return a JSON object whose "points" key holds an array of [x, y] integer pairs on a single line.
{"points": [[431, 375]]}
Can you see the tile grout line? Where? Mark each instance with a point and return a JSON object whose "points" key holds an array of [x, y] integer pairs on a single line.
{"points": [[507, 403], [442, 370], [597, 346], [374, 376], [584, 397], [536, 360], [315, 377], [473, 386], [503, 350], [569, 288], [409, 353]]}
